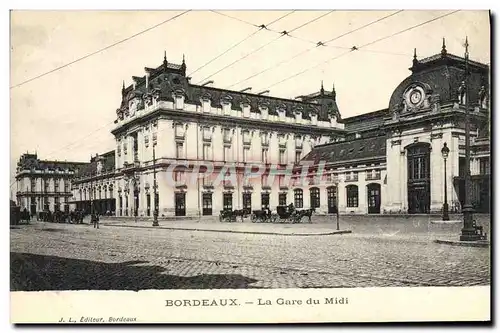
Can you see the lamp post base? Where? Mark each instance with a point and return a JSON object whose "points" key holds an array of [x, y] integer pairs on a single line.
{"points": [[470, 232], [446, 215], [155, 220]]}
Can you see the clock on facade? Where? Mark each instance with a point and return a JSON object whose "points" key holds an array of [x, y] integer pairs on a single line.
{"points": [[415, 97]]}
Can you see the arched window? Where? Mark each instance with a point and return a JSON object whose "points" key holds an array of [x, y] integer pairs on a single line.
{"points": [[352, 195], [314, 192], [298, 196]]}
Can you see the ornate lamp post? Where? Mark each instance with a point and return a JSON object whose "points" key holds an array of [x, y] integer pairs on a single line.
{"points": [[445, 151], [155, 186], [469, 232]]}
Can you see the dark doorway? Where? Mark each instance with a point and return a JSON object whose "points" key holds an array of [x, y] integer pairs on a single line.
{"points": [[33, 207], [207, 203], [148, 203], [247, 203], [180, 204], [136, 206], [332, 199], [373, 198], [419, 181], [264, 201], [227, 201]]}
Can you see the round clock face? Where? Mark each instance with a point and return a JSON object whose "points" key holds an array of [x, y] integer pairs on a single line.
{"points": [[415, 97]]}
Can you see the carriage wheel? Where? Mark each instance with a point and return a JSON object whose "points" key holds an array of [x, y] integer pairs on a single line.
{"points": [[220, 218]]}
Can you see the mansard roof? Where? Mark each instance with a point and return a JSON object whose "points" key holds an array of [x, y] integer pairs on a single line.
{"points": [[346, 151], [365, 122], [173, 80], [90, 169], [31, 161]]}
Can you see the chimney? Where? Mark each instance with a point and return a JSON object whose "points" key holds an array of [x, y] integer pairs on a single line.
{"points": [[246, 89], [265, 93]]}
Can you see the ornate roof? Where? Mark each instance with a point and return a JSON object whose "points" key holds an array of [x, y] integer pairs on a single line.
{"points": [[170, 79], [31, 162], [365, 122]]}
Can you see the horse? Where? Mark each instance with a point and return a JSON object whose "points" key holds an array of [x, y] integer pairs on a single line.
{"points": [[305, 212], [239, 212], [25, 216]]}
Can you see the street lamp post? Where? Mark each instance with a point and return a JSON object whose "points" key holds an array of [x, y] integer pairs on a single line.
{"points": [[337, 204], [445, 151], [155, 211], [469, 232]]}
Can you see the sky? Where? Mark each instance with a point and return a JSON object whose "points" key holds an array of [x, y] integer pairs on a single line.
{"points": [[68, 113]]}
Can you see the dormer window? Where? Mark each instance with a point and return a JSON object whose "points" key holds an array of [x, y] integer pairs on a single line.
{"points": [[246, 109], [205, 104], [314, 119], [264, 112], [179, 100], [298, 116], [281, 112]]}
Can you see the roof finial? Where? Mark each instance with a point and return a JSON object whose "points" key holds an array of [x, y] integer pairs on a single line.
{"points": [[123, 85], [322, 89], [334, 94], [164, 56], [415, 54], [183, 59], [443, 48]]}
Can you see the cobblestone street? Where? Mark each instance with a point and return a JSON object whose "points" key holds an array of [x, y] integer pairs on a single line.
{"points": [[50, 256]]}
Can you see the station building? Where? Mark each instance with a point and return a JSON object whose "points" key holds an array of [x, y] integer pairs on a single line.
{"points": [[169, 131]]}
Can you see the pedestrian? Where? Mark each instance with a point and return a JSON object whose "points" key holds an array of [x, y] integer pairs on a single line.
{"points": [[95, 219]]}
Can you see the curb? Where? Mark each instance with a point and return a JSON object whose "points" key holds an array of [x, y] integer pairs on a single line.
{"points": [[339, 232], [463, 243], [447, 222]]}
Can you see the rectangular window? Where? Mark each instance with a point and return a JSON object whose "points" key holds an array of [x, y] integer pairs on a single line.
{"points": [[207, 152], [352, 196], [247, 137], [227, 153], [264, 201], [484, 166], [281, 181], [207, 203], [282, 157], [33, 185], [179, 152], [227, 200], [247, 203], [207, 134], [265, 180], [179, 131], [265, 139], [264, 155], [298, 198], [282, 199], [297, 156], [227, 135], [246, 154]]}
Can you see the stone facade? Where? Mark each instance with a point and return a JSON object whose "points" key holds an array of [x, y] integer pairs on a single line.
{"points": [[194, 146]]}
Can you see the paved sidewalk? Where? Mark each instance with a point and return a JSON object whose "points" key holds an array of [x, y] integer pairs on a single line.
{"points": [[302, 229]]}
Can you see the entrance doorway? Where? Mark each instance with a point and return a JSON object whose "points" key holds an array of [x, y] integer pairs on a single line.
{"points": [[207, 203], [180, 204], [419, 181], [373, 198], [332, 199]]}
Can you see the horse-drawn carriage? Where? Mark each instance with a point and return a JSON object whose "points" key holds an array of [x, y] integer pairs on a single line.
{"points": [[230, 215], [263, 215]]}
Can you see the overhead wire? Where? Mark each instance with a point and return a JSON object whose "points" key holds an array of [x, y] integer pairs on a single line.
{"points": [[100, 50], [316, 45], [283, 33], [355, 48]]}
